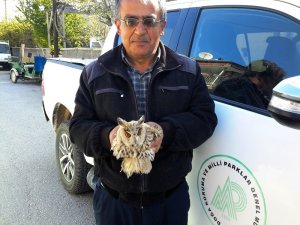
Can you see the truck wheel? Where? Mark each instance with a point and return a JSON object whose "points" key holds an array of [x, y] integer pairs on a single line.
{"points": [[70, 161], [13, 76]]}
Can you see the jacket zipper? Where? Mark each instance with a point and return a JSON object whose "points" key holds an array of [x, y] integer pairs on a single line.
{"points": [[142, 190], [157, 71], [143, 176]]}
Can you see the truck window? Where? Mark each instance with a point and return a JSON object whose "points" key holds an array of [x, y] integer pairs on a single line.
{"points": [[4, 48], [230, 43], [172, 18]]}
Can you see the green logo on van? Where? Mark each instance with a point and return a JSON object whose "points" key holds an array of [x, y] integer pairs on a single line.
{"points": [[224, 200], [229, 192]]}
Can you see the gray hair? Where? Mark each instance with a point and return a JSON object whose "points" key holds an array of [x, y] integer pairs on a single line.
{"points": [[161, 5]]}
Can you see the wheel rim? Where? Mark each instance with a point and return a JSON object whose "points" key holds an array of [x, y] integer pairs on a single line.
{"points": [[13, 76], [65, 157]]}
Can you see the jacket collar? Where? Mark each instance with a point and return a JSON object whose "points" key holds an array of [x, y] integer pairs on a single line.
{"points": [[112, 60], [125, 59]]}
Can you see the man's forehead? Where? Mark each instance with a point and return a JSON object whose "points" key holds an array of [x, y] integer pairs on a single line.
{"points": [[145, 2], [137, 8], [140, 3], [139, 15]]}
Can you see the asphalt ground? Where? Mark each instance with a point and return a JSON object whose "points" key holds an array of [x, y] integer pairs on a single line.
{"points": [[30, 190]]}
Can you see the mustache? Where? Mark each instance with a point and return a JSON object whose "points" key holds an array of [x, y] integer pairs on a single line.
{"points": [[139, 38]]}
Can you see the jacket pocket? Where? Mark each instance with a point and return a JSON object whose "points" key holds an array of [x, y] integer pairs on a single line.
{"points": [[110, 90], [111, 102], [173, 88], [172, 99]]}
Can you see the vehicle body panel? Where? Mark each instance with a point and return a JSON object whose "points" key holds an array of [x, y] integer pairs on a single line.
{"points": [[269, 150], [66, 88]]}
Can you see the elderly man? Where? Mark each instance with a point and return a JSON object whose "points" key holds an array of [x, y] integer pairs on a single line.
{"points": [[142, 77]]}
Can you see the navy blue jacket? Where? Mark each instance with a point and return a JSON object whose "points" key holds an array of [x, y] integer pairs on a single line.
{"points": [[178, 100]]}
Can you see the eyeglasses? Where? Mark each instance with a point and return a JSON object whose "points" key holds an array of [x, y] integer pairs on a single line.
{"points": [[147, 22]]}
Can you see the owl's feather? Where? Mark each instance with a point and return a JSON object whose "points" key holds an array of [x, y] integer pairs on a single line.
{"points": [[132, 144]]}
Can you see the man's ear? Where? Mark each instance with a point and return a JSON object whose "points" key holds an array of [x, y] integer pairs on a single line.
{"points": [[118, 24], [163, 25]]}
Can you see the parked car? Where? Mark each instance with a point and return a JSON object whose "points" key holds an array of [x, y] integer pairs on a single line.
{"points": [[247, 172], [5, 54]]}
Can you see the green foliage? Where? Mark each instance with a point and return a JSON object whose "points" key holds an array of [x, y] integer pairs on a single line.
{"points": [[93, 19], [96, 28], [17, 32], [101, 8], [100, 15], [36, 17], [76, 31]]}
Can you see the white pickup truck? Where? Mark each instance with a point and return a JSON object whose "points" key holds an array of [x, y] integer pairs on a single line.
{"points": [[248, 172]]}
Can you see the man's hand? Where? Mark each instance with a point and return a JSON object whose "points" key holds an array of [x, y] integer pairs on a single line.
{"points": [[113, 134]]}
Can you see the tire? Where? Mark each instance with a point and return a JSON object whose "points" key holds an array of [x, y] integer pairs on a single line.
{"points": [[71, 165], [13, 76], [7, 67]]}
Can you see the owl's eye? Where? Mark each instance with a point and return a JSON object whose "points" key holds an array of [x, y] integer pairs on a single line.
{"points": [[128, 135]]}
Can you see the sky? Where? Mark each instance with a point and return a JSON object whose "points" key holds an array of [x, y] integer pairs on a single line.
{"points": [[11, 8]]}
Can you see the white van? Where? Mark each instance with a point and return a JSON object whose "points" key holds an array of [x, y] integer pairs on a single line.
{"points": [[5, 54]]}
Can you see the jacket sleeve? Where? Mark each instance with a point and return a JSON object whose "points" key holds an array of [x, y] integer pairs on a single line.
{"points": [[188, 130], [86, 131]]}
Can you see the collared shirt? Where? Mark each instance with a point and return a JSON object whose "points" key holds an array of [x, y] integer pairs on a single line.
{"points": [[140, 82]]}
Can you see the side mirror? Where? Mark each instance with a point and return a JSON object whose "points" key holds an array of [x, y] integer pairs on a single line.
{"points": [[285, 102]]}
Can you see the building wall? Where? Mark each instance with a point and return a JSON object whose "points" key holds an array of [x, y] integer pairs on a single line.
{"points": [[86, 53]]}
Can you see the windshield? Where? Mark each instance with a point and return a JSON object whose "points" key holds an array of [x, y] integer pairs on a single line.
{"points": [[4, 48]]}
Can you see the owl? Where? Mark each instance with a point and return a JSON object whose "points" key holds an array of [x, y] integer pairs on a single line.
{"points": [[132, 145]]}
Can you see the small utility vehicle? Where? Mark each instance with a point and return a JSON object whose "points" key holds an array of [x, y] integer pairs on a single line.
{"points": [[26, 68]]}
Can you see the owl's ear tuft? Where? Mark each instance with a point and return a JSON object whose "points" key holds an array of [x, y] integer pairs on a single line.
{"points": [[121, 122], [142, 119]]}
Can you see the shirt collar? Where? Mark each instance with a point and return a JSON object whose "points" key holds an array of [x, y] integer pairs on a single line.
{"points": [[126, 61]]}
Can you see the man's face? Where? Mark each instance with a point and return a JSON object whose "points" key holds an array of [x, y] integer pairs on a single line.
{"points": [[140, 41]]}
